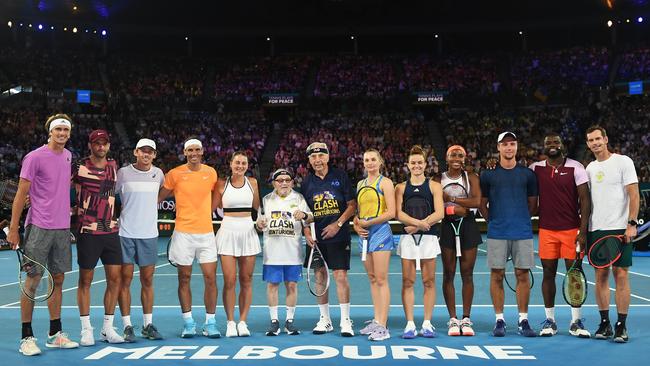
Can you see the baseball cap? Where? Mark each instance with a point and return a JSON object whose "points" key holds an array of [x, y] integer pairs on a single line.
{"points": [[282, 171], [146, 143], [98, 135], [503, 135]]}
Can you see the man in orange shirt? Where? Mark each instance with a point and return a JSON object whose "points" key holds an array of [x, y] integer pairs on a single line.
{"points": [[192, 185]]}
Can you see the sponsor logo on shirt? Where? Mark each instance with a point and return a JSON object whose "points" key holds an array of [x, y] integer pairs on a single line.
{"points": [[600, 176]]}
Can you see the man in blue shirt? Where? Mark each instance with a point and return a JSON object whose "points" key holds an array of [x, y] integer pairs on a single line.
{"points": [[509, 199], [331, 198]]}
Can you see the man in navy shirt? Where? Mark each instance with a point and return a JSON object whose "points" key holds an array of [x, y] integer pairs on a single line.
{"points": [[511, 192], [331, 198]]}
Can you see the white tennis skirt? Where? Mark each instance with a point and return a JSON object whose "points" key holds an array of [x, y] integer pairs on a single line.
{"points": [[237, 237], [428, 248]]}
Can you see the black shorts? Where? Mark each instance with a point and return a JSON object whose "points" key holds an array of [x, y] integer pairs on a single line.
{"points": [[90, 248], [337, 255], [470, 236]]}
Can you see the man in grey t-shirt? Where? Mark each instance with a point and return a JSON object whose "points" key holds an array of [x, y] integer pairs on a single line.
{"points": [[138, 185]]}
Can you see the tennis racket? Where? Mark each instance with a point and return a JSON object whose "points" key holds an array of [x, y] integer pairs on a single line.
{"points": [[8, 189], [318, 274], [35, 280], [455, 190], [511, 277], [169, 245], [369, 207], [606, 250], [418, 208], [574, 285]]}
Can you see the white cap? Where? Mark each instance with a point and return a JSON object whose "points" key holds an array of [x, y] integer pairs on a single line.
{"points": [[192, 142], [146, 142], [503, 135]]}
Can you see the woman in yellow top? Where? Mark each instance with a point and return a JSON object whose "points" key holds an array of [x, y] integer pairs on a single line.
{"points": [[377, 232]]}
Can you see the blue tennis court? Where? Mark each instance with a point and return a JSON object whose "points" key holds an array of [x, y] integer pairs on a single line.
{"points": [[331, 349]]}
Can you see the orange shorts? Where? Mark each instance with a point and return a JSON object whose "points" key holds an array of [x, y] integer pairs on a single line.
{"points": [[556, 244]]}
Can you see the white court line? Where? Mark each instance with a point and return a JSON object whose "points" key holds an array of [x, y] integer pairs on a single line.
{"points": [[349, 274], [316, 306]]}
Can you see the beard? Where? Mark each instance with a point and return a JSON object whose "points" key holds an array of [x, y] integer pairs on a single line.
{"points": [[553, 153]]}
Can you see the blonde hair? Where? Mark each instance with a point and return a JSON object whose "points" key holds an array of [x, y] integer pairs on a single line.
{"points": [[56, 116], [381, 158]]}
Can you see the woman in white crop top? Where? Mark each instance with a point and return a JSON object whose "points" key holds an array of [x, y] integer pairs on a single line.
{"points": [[237, 241]]}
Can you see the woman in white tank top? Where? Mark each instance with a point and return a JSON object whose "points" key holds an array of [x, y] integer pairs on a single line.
{"points": [[237, 241]]}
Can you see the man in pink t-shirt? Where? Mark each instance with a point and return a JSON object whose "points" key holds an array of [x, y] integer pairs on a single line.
{"points": [[45, 177]]}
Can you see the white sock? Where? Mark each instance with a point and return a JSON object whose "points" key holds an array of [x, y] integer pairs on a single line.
{"points": [[187, 315], [410, 325], [576, 313], [273, 312], [324, 310], [108, 321], [291, 311], [208, 317], [523, 316], [550, 313], [147, 319], [85, 322], [427, 324], [345, 311], [126, 321], [500, 316]]}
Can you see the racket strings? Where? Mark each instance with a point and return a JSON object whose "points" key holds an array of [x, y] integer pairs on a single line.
{"points": [[605, 251], [369, 203]]}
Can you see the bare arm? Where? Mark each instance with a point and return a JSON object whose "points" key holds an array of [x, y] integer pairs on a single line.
{"points": [[256, 194], [533, 203], [163, 194], [217, 194], [438, 203], [633, 193], [483, 208], [585, 212], [16, 211]]}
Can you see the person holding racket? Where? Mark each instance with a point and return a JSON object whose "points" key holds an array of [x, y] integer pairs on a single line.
{"points": [[45, 177], [511, 192], [192, 185], [138, 186], [615, 197], [94, 179], [285, 213], [237, 241], [564, 210], [376, 202], [419, 207], [331, 198], [461, 193]]}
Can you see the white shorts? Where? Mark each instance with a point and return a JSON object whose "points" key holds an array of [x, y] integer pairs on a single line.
{"points": [[237, 237], [185, 247], [428, 248]]}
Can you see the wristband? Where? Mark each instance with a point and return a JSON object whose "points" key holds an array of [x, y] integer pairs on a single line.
{"points": [[450, 210]]}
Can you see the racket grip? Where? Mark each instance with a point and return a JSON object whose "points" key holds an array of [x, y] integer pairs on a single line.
{"points": [[312, 227], [364, 249], [418, 267], [458, 254], [6, 230]]}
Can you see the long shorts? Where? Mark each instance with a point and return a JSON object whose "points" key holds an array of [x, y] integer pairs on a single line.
{"points": [[521, 251], [50, 247], [186, 247]]}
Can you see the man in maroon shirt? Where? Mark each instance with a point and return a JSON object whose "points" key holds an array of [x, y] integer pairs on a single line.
{"points": [[564, 209]]}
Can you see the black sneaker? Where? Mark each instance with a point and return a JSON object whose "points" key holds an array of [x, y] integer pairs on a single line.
{"points": [[620, 335], [151, 332], [274, 328], [290, 328], [604, 331], [129, 334]]}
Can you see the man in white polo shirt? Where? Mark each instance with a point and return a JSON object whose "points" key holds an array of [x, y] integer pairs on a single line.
{"points": [[138, 185]]}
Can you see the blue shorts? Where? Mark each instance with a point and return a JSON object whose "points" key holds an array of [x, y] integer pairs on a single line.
{"points": [[380, 238], [279, 273], [143, 252]]}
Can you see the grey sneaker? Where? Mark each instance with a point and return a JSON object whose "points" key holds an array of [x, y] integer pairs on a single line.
{"points": [[290, 328], [370, 326], [274, 328], [151, 332], [379, 333], [129, 334]]}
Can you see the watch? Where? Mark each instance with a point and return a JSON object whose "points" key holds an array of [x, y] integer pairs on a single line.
{"points": [[633, 223], [339, 223]]}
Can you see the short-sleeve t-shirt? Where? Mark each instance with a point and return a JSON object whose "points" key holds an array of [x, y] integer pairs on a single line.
{"points": [[282, 244], [138, 191], [609, 199], [49, 193], [328, 199], [193, 194], [558, 193], [96, 196], [507, 191]]}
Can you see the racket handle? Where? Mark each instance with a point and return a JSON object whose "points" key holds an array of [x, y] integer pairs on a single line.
{"points": [[312, 227], [364, 249], [6, 230], [458, 254], [417, 263]]}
